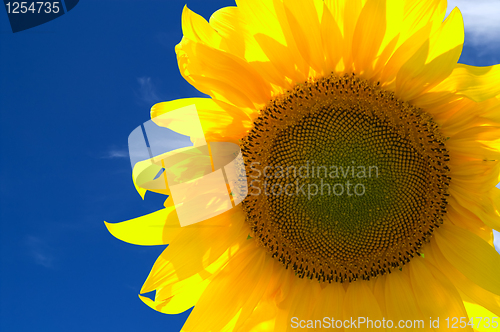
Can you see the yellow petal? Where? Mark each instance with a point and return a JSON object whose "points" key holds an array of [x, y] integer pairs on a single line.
{"points": [[178, 290], [153, 229], [262, 319], [435, 295], [198, 246], [201, 64], [368, 36], [178, 303], [463, 113], [197, 29], [403, 54], [144, 176], [261, 18], [280, 57], [294, 43], [418, 14], [329, 302], [379, 292], [434, 61], [300, 302], [472, 256], [360, 302], [476, 142], [483, 320], [352, 9], [485, 206], [231, 25], [305, 27], [394, 20], [274, 37], [214, 87], [481, 176], [400, 301], [462, 283], [184, 165], [467, 220], [493, 113], [240, 285], [392, 37], [331, 39], [144, 172], [476, 83], [218, 120], [337, 8]]}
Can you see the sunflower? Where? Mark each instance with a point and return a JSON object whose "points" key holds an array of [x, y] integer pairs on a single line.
{"points": [[367, 91]]}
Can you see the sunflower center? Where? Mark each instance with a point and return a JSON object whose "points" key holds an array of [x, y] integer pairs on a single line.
{"points": [[345, 180]]}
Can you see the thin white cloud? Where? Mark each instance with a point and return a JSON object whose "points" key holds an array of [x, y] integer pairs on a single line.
{"points": [[39, 251], [114, 153], [147, 91], [481, 20]]}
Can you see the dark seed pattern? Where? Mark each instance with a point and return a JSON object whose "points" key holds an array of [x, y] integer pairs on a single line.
{"points": [[346, 121]]}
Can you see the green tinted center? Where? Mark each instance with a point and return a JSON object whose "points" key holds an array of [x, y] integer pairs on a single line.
{"points": [[352, 181]]}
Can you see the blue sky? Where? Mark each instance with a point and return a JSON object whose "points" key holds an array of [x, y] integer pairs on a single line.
{"points": [[71, 92]]}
